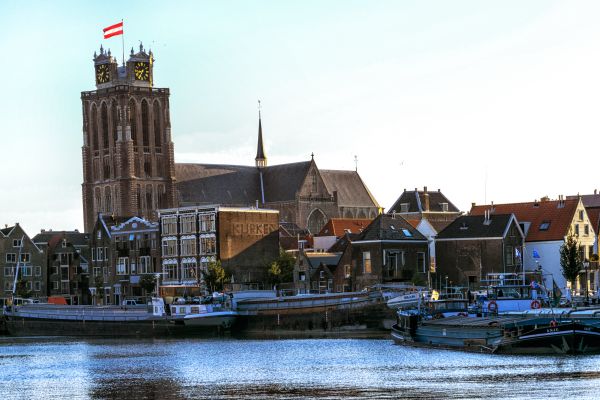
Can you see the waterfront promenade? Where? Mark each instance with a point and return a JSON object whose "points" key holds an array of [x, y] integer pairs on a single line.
{"points": [[281, 369]]}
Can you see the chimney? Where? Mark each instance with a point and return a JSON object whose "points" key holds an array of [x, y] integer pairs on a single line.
{"points": [[425, 200], [595, 191], [472, 204]]}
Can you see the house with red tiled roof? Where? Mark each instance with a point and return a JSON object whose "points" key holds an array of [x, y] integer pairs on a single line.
{"points": [[546, 224], [335, 228]]}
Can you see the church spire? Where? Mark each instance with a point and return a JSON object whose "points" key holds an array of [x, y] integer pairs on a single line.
{"points": [[261, 158]]}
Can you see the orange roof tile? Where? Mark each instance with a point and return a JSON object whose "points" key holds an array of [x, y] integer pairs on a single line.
{"points": [[560, 218], [339, 226]]}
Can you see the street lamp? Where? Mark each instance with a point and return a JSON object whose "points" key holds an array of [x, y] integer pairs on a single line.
{"points": [[586, 265]]}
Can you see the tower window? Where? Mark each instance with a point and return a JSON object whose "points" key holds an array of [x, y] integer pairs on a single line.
{"points": [[115, 122], [145, 127], [314, 182], [157, 127], [133, 121], [104, 122], [94, 127]]}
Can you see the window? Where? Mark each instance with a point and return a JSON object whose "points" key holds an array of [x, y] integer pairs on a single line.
{"points": [[208, 245], [64, 273], [347, 271], [145, 265], [27, 270], [169, 247], [17, 243], [99, 254], [581, 215], [25, 257], [586, 230], [97, 271], [576, 229], [406, 233], [391, 264], [37, 286], [444, 207], [421, 262], [188, 246], [302, 276], [106, 253], [122, 265], [11, 257], [508, 255], [55, 285], [545, 225], [189, 270], [169, 225], [9, 271], [187, 224], [366, 262], [93, 254], [28, 285], [404, 207], [170, 271], [314, 182], [207, 222], [38, 271]]}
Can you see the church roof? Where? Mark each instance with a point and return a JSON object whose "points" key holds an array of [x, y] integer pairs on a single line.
{"points": [[213, 183], [351, 190], [260, 151], [284, 180]]}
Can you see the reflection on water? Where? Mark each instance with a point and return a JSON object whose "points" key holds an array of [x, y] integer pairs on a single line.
{"points": [[286, 369]]}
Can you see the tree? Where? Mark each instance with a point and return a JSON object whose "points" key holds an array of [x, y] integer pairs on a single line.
{"points": [[286, 263], [274, 273], [570, 260], [215, 276], [148, 283]]}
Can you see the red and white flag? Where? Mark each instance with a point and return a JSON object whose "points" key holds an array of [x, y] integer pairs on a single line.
{"points": [[113, 30]]}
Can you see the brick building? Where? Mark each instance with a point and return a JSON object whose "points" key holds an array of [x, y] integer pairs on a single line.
{"points": [[67, 257], [123, 250], [128, 162], [17, 248], [244, 240]]}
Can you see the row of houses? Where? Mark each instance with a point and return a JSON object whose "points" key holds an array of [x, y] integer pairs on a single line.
{"points": [[108, 264], [424, 238]]}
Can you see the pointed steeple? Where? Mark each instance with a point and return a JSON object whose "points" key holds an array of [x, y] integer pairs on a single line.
{"points": [[261, 158]]}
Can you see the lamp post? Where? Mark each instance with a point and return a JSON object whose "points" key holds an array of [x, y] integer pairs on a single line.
{"points": [[586, 265]]}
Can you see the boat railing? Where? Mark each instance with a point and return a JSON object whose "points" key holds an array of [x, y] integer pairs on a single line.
{"points": [[300, 302], [78, 317]]}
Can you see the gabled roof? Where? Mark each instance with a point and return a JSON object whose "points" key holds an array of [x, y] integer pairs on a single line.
{"points": [[588, 200], [340, 245], [475, 226], [416, 201], [6, 231], [76, 238], [283, 181], [558, 214], [389, 227], [339, 226], [236, 185], [315, 259], [350, 188]]}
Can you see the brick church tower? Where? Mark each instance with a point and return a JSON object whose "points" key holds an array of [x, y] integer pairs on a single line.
{"points": [[128, 161]]}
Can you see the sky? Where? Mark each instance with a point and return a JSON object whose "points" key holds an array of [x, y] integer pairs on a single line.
{"points": [[487, 101]]}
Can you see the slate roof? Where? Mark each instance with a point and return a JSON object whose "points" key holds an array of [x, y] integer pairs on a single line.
{"points": [[560, 216], [388, 227], [284, 180], [473, 226], [260, 149], [588, 200], [76, 238], [6, 231], [239, 185], [415, 200], [234, 185], [343, 242], [339, 226], [350, 188], [315, 259]]}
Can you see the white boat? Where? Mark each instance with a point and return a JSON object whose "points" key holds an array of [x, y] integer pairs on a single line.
{"points": [[404, 301], [198, 316]]}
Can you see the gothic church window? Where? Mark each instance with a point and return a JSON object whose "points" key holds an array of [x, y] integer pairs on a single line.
{"points": [[115, 121], [145, 126], [314, 182], [95, 127], [316, 221], [157, 129], [133, 121], [107, 199], [148, 197], [104, 122]]}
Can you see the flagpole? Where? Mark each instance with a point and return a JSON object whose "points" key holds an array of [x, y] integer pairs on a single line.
{"points": [[123, 41]]}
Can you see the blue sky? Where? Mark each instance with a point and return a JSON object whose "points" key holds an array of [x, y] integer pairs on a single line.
{"points": [[435, 93]]}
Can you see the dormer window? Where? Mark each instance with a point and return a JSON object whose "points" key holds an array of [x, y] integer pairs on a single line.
{"points": [[464, 226], [581, 215], [406, 233], [404, 207], [545, 225], [444, 207]]}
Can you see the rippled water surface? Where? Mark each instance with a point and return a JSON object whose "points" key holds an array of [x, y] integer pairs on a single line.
{"points": [[284, 369]]}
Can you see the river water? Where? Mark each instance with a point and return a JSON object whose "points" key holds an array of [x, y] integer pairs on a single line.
{"points": [[281, 369]]}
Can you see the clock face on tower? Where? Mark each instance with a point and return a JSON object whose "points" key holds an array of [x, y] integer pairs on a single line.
{"points": [[102, 73], [141, 71]]}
